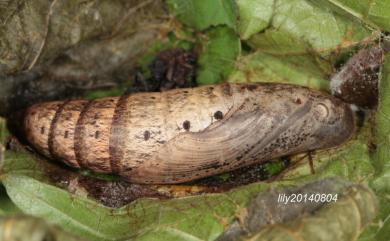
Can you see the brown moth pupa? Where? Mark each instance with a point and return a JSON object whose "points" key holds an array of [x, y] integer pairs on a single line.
{"points": [[185, 134]]}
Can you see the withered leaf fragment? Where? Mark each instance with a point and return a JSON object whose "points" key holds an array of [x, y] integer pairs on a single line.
{"points": [[357, 80], [342, 220], [26, 228]]}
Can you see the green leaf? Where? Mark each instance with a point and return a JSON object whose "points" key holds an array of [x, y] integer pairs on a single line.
{"points": [[201, 216], [220, 49], [7, 207], [372, 12], [254, 16], [381, 158], [202, 14], [300, 26], [382, 133], [299, 70]]}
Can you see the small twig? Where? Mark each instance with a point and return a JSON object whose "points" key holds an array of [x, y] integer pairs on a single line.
{"points": [[48, 17], [311, 163], [2, 150], [92, 86]]}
